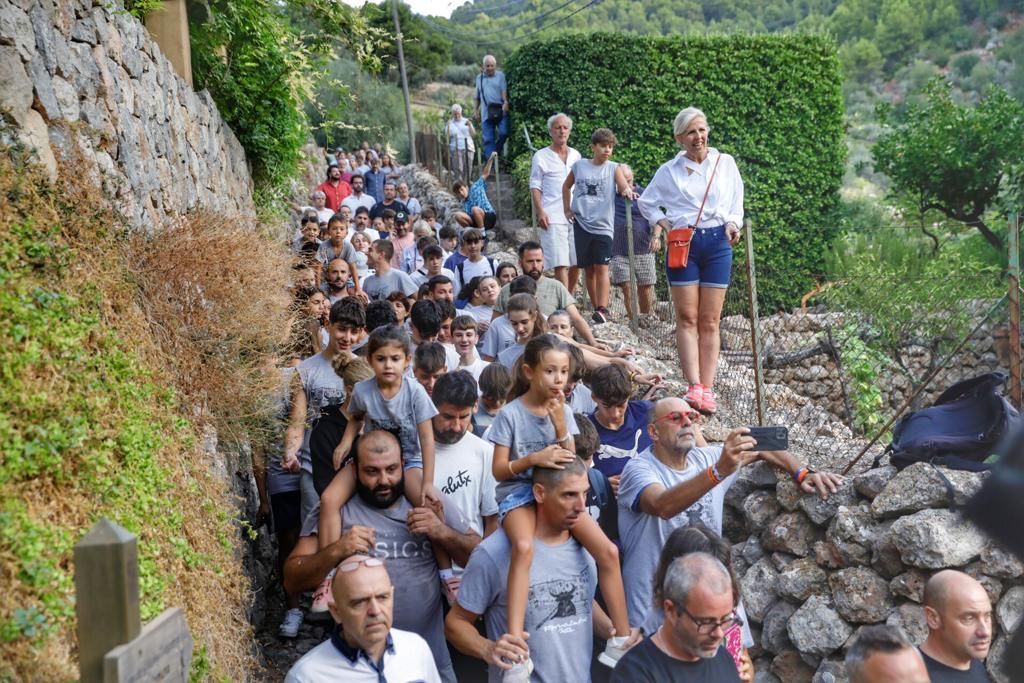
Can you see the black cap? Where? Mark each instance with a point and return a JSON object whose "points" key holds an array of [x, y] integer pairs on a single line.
{"points": [[401, 217]]}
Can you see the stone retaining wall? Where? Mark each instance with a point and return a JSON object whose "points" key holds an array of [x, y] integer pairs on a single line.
{"points": [[85, 74], [813, 572]]}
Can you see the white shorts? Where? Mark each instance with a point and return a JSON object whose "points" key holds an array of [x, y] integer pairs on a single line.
{"points": [[559, 248]]}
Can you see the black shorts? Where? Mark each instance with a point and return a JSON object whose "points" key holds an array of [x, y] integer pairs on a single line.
{"points": [[286, 508], [591, 249]]}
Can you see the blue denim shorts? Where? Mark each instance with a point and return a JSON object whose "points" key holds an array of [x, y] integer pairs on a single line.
{"points": [[710, 262], [518, 497]]}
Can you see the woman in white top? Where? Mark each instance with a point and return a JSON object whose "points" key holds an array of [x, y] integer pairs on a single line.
{"points": [[675, 198], [460, 130]]}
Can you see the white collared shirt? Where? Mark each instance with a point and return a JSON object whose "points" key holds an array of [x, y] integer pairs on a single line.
{"points": [[676, 195], [547, 174], [407, 658]]}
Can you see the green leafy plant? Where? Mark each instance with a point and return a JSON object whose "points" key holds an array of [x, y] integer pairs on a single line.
{"points": [[774, 102]]}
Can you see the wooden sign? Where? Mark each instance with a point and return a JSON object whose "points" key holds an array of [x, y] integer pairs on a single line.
{"points": [[162, 653]]}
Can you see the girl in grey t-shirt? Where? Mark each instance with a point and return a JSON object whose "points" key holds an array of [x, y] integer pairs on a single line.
{"points": [[535, 429]]}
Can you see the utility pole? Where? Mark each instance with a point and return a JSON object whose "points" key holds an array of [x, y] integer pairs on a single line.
{"points": [[405, 82]]}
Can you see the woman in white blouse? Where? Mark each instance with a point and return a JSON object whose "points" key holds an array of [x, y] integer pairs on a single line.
{"points": [[460, 130], [673, 199]]}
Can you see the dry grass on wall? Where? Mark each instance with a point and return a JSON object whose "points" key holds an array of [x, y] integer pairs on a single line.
{"points": [[117, 352]]}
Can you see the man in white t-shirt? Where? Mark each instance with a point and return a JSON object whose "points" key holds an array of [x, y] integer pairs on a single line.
{"points": [[548, 171], [358, 197], [364, 647], [674, 483]]}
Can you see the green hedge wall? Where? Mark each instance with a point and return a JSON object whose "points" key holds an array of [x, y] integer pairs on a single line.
{"points": [[773, 102]]}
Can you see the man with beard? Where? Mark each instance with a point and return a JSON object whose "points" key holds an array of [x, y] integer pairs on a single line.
{"points": [[363, 646], [336, 282], [334, 188], [674, 483], [959, 616], [389, 201], [380, 522], [551, 294], [358, 197], [699, 609], [561, 616]]}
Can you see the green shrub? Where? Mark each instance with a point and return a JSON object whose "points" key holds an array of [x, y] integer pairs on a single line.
{"points": [[460, 74], [964, 64], [774, 102]]}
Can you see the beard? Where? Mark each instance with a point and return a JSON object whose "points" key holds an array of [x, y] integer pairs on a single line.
{"points": [[535, 274], [448, 437], [376, 498]]}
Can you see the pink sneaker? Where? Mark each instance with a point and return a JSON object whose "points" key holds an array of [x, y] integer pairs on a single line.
{"points": [[708, 405], [323, 591], [695, 396], [451, 588]]}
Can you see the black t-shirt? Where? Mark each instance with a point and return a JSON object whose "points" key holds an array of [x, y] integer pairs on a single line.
{"points": [[396, 206], [646, 663], [940, 673]]}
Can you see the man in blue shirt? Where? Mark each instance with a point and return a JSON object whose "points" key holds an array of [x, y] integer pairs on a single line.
{"points": [[374, 180], [490, 106]]}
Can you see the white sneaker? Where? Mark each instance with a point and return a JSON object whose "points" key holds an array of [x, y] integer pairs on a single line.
{"points": [[323, 591], [519, 673], [613, 651], [291, 623]]}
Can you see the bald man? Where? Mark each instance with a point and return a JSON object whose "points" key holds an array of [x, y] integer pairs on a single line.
{"points": [[959, 617], [883, 654], [363, 646]]}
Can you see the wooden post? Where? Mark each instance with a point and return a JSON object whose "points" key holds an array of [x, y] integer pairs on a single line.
{"points": [[755, 331], [1013, 242], [634, 295], [405, 80], [107, 588]]}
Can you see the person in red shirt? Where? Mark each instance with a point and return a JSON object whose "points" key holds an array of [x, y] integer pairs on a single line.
{"points": [[334, 188]]}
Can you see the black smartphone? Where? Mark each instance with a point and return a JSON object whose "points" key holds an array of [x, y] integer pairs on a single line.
{"points": [[771, 438]]}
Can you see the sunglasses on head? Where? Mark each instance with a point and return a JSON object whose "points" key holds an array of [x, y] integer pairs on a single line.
{"points": [[354, 564], [678, 417]]}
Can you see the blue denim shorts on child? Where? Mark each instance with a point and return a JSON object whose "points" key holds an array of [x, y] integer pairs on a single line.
{"points": [[710, 262], [519, 496]]}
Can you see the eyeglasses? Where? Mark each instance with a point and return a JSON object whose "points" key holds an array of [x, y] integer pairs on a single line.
{"points": [[679, 417], [706, 627], [354, 564]]}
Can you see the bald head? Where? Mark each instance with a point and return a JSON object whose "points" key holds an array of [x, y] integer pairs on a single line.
{"points": [[959, 616], [363, 602], [672, 428]]}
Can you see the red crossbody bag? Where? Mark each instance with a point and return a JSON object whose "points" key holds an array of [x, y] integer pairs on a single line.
{"points": [[679, 238]]}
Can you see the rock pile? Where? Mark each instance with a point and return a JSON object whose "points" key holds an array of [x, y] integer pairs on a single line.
{"points": [[84, 77]]}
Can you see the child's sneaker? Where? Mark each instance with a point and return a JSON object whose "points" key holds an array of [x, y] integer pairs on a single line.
{"points": [[519, 673], [695, 396], [599, 316], [291, 623], [451, 584], [321, 595], [708, 405], [613, 651]]}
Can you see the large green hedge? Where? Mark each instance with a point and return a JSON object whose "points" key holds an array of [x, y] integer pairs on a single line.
{"points": [[773, 102]]}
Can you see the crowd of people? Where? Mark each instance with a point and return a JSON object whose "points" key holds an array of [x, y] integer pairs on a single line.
{"points": [[467, 474]]}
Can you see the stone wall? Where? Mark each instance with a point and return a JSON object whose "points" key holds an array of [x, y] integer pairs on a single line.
{"points": [[813, 572], [85, 74]]}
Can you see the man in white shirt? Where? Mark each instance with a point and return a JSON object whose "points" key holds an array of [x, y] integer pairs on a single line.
{"points": [[364, 647], [358, 197], [548, 171], [319, 199]]}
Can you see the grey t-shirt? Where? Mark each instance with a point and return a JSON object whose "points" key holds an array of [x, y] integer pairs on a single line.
{"points": [[328, 253], [509, 356], [489, 89], [498, 337], [280, 480], [593, 199], [399, 415], [551, 296], [563, 578], [410, 563], [643, 535], [524, 433], [323, 387], [378, 285]]}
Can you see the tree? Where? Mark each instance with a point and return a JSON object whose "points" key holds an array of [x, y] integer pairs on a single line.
{"points": [[953, 158], [427, 51]]}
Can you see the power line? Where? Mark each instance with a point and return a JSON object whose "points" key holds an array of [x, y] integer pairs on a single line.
{"points": [[472, 41], [503, 29], [475, 10]]}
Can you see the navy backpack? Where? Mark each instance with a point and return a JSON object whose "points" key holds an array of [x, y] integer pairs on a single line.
{"points": [[960, 430]]}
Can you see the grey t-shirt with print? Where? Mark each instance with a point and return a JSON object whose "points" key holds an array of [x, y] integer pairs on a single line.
{"points": [[410, 562], [399, 415], [378, 286], [643, 535], [328, 253], [524, 433], [498, 337], [323, 387], [593, 199], [563, 578]]}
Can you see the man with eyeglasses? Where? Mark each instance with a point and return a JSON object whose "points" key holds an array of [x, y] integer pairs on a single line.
{"points": [[675, 483], [699, 608], [363, 646]]}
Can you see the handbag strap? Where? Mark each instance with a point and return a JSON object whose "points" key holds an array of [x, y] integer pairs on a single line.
{"points": [[700, 211]]}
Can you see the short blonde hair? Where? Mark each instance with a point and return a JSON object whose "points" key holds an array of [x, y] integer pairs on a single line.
{"points": [[684, 118]]}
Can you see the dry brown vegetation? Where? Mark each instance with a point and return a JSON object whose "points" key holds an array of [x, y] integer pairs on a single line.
{"points": [[118, 351]]}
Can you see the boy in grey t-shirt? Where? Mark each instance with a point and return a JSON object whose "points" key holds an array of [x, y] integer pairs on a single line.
{"points": [[563, 579], [592, 213]]}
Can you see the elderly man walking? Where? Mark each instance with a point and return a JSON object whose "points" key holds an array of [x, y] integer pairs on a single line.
{"points": [[548, 170], [363, 646], [490, 106]]}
